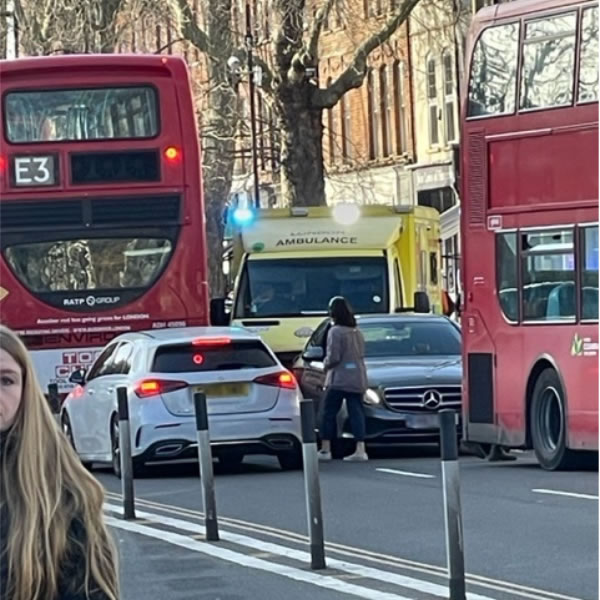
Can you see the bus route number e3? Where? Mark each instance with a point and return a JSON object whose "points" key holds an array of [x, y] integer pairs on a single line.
{"points": [[34, 170]]}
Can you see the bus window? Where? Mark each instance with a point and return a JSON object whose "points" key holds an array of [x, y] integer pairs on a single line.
{"points": [[589, 275], [506, 275], [492, 87], [548, 62], [81, 114], [548, 263], [588, 61]]}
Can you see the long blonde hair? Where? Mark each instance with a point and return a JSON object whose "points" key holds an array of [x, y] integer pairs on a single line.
{"points": [[45, 487]]}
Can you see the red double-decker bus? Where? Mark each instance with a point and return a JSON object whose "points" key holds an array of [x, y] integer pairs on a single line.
{"points": [[530, 229], [101, 208]]}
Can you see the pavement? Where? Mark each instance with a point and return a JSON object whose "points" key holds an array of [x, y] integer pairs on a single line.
{"points": [[528, 534]]}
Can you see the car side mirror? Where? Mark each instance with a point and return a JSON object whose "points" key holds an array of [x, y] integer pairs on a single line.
{"points": [[313, 353], [78, 377], [421, 302], [218, 315]]}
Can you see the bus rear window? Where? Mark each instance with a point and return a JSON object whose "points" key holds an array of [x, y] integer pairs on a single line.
{"points": [[232, 357], [89, 263], [81, 114]]}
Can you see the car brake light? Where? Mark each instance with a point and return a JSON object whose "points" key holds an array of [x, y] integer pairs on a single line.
{"points": [[155, 387], [284, 380], [211, 341]]}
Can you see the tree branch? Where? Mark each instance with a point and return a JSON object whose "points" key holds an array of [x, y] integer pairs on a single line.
{"points": [[189, 28], [355, 73], [320, 18]]}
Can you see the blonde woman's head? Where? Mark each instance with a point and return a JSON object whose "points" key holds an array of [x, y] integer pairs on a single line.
{"points": [[45, 489]]}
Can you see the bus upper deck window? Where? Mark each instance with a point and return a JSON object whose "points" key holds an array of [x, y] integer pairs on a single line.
{"points": [[493, 81]]}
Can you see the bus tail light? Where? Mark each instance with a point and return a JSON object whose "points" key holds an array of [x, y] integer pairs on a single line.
{"points": [[172, 154], [154, 387], [284, 380]]}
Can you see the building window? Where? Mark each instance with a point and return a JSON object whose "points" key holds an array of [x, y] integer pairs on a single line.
{"points": [[331, 129], [386, 111], [507, 275], [400, 108], [493, 81], [432, 101], [346, 122], [442, 199], [548, 62], [337, 16], [158, 38], [449, 96], [373, 8], [374, 117], [169, 40], [548, 263], [588, 61]]}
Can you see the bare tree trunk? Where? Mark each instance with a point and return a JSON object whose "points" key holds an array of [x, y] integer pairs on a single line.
{"points": [[219, 124], [302, 180]]}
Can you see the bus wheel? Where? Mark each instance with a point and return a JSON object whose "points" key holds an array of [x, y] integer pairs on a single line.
{"points": [[548, 423]]}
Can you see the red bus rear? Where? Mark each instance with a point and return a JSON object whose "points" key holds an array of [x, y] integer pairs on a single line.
{"points": [[101, 211], [530, 229]]}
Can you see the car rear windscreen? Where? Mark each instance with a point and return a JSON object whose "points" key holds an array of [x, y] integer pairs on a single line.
{"points": [[184, 358]]}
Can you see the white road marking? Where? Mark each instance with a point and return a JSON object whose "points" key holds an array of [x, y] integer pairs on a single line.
{"points": [[407, 473], [419, 585], [506, 587], [567, 494], [244, 560]]}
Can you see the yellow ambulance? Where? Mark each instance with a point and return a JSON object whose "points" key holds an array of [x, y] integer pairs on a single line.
{"points": [[290, 262]]}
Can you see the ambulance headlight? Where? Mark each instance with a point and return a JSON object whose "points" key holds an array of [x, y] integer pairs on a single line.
{"points": [[346, 214]]}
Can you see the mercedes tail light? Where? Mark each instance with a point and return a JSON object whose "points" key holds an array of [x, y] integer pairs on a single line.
{"points": [[154, 387], [284, 380]]}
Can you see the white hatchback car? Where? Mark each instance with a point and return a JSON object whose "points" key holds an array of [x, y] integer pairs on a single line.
{"points": [[253, 402]]}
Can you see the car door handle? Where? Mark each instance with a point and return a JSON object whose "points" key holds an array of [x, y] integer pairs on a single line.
{"points": [[91, 391], [110, 390]]}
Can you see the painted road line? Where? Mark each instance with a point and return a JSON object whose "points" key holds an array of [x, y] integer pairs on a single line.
{"points": [[244, 560], [406, 473], [567, 494], [419, 585], [387, 560]]}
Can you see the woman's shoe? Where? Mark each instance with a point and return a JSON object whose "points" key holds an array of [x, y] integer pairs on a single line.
{"points": [[324, 456], [357, 457]]}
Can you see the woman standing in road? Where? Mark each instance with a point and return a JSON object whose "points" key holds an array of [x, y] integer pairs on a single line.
{"points": [[53, 541], [346, 379]]}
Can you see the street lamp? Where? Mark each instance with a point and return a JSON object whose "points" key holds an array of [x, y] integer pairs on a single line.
{"points": [[254, 77]]}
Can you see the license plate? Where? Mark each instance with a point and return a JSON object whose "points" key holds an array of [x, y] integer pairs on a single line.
{"points": [[422, 421], [223, 390]]}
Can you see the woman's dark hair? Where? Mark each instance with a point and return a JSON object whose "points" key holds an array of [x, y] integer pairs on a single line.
{"points": [[341, 312]]}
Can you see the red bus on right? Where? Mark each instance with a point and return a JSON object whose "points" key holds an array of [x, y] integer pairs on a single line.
{"points": [[529, 187]]}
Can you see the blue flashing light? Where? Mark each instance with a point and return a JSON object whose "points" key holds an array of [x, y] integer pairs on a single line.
{"points": [[243, 216]]}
